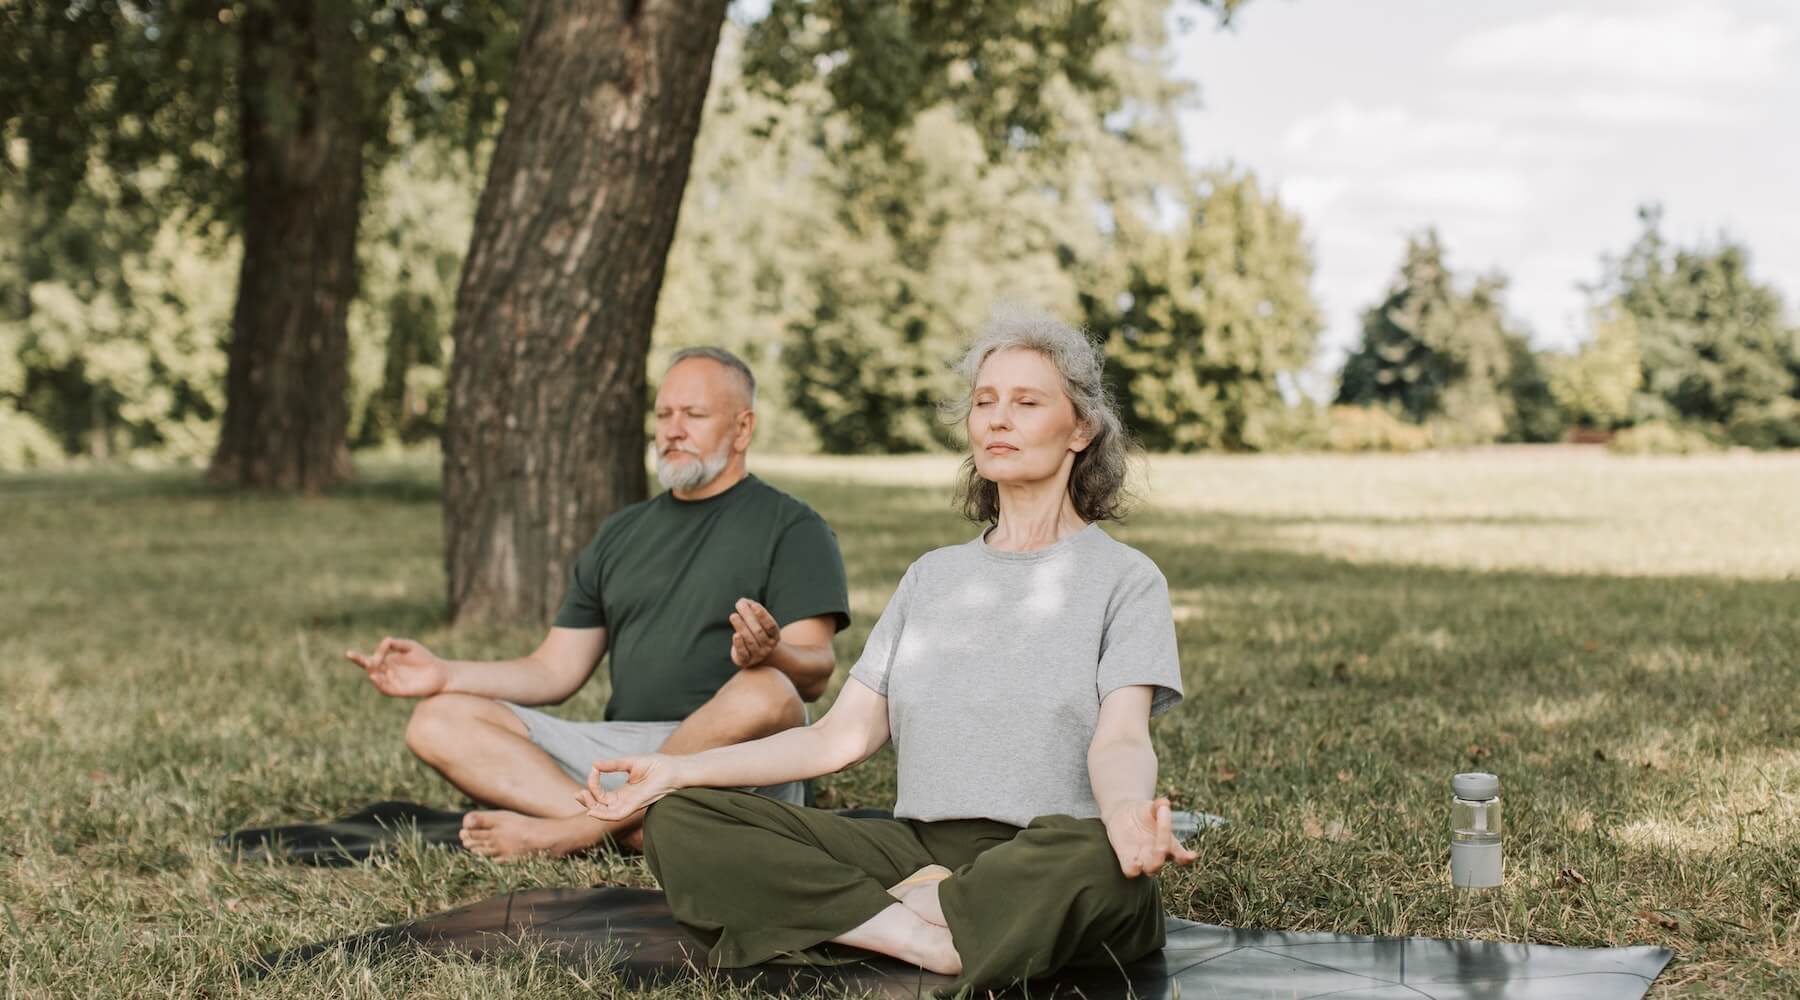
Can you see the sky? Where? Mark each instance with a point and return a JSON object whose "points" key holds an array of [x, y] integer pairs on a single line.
{"points": [[1528, 132]]}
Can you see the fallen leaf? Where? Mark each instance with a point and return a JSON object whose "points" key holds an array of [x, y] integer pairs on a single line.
{"points": [[1346, 777], [1590, 646], [1225, 773], [1571, 877], [1477, 752], [1660, 919]]}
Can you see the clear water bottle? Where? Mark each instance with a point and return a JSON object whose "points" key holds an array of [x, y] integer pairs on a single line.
{"points": [[1475, 831]]}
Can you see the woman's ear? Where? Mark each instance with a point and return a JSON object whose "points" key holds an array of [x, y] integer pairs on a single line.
{"points": [[1084, 436]]}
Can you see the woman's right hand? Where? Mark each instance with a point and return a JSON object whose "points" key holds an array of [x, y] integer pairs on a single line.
{"points": [[649, 777]]}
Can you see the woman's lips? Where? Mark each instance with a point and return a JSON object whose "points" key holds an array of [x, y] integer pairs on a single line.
{"points": [[1000, 449]]}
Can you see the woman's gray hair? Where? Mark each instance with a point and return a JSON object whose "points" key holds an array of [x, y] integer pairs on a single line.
{"points": [[1097, 481]]}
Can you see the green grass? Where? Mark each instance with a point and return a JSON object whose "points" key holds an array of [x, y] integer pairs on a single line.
{"points": [[1615, 637]]}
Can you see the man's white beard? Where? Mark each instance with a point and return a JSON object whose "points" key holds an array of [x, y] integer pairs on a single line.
{"points": [[693, 472]]}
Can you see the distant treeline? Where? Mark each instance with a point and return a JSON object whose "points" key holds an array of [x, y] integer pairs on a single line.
{"points": [[848, 274]]}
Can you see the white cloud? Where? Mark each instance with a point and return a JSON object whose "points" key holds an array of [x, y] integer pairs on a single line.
{"points": [[1654, 109], [1472, 190], [1604, 106], [1313, 194], [1348, 135], [1693, 44]]}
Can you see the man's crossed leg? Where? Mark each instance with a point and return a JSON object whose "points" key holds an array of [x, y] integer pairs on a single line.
{"points": [[486, 749]]}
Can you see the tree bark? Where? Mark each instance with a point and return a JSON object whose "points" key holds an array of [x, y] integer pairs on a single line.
{"points": [[546, 425], [286, 412], [545, 429]]}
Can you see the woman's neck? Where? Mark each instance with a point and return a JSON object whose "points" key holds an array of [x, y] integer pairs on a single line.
{"points": [[1034, 516]]}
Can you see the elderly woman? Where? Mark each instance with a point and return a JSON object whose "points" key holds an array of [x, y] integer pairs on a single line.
{"points": [[1016, 675]]}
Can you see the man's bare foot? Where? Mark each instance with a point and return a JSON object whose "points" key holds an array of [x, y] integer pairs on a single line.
{"points": [[505, 835], [918, 892]]}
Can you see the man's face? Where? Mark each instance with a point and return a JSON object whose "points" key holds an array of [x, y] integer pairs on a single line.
{"points": [[700, 415]]}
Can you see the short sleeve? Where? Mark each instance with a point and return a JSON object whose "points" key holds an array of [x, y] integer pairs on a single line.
{"points": [[582, 606], [806, 574], [877, 658], [1139, 644]]}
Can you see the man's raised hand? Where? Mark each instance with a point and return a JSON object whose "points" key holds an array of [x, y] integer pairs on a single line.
{"points": [[401, 668], [754, 634]]}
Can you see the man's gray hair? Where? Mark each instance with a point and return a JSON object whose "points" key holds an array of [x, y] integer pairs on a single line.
{"points": [[1097, 482], [732, 363]]}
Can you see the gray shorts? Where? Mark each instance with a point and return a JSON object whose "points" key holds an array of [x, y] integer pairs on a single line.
{"points": [[576, 745]]}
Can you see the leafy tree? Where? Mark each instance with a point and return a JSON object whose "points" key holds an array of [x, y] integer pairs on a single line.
{"points": [[921, 245], [1436, 354], [1206, 320], [928, 235], [417, 228], [559, 290], [1595, 387], [1716, 346], [113, 324], [117, 349], [265, 116], [1533, 413]]}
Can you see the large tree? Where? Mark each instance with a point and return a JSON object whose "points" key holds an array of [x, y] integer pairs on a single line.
{"points": [[920, 240], [559, 290], [1716, 345], [268, 115], [1202, 323], [1434, 352]]}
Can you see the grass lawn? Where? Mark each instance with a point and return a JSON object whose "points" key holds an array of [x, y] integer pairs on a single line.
{"points": [[1615, 637]]}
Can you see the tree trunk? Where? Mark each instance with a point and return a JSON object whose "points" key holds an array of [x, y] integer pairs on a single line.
{"points": [[286, 379], [545, 431]]}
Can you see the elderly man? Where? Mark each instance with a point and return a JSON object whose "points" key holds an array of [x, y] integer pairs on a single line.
{"points": [[718, 600]]}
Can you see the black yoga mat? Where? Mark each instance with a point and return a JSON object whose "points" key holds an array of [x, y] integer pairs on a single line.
{"points": [[631, 929], [348, 839], [369, 831]]}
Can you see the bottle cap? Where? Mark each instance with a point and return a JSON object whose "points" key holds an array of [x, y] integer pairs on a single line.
{"points": [[1475, 786]]}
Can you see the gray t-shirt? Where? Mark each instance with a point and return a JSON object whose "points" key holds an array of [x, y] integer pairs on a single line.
{"points": [[994, 665]]}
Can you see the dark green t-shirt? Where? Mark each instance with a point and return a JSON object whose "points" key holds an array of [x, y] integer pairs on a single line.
{"points": [[662, 577]]}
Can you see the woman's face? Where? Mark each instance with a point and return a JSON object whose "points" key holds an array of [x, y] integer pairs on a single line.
{"points": [[1022, 424]]}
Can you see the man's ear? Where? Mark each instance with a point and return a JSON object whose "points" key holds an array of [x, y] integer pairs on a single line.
{"points": [[745, 431]]}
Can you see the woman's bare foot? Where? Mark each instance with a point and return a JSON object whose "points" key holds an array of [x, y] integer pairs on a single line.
{"points": [[505, 835], [936, 951], [903, 934], [918, 892]]}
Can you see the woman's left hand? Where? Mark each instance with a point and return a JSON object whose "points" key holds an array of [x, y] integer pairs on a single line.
{"points": [[1143, 836]]}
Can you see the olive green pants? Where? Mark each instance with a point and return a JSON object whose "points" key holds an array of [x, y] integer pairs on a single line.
{"points": [[762, 880]]}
